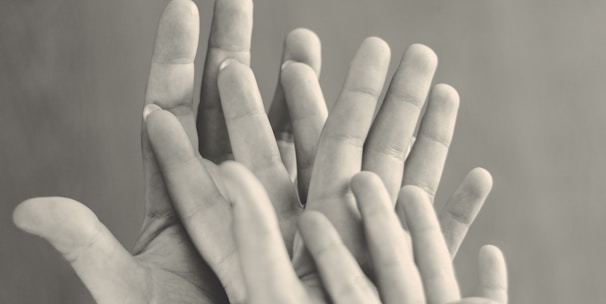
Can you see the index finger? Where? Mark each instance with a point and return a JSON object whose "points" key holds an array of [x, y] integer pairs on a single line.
{"points": [[170, 85], [230, 37], [267, 270]]}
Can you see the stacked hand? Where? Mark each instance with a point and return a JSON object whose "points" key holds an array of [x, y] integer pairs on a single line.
{"points": [[407, 272], [192, 242]]}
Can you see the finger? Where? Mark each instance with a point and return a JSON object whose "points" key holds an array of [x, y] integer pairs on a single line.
{"points": [[307, 113], [171, 77], [463, 206], [266, 266], [202, 208], [300, 45], [431, 253], [340, 148], [106, 268], [393, 128], [339, 154], [390, 248], [230, 37], [342, 277], [253, 142], [426, 160], [170, 85], [493, 274]]}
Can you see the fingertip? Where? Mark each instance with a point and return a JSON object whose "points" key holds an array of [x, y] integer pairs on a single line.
{"points": [[446, 94], [378, 44], [227, 62], [303, 35], [157, 120], [148, 109], [177, 38], [481, 179], [23, 215], [491, 255], [180, 9], [421, 55], [303, 45], [233, 73], [365, 181], [230, 168], [232, 25], [412, 193], [293, 72]]}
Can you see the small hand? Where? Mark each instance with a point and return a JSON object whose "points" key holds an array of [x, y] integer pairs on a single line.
{"points": [[270, 278], [411, 266]]}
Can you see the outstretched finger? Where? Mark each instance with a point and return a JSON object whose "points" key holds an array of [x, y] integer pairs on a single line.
{"points": [[341, 275], [389, 245], [170, 85], [266, 265], [431, 253], [339, 155], [230, 37], [463, 206], [253, 142], [425, 163], [202, 208], [493, 274], [301, 45], [109, 272], [307, 113], [393, 128]]}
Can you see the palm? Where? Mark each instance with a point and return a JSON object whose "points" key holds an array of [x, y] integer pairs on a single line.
{"points": [[175, 270]]}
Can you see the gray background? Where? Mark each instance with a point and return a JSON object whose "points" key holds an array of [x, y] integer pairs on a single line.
{"points": [[530, 75]]}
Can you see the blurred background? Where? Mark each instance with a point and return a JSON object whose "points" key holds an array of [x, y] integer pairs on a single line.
{"points": [[530, 75]]}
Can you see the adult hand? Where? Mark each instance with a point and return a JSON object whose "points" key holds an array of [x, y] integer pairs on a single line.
{"points": [[352, 141], [166, 266], [205, 214]]}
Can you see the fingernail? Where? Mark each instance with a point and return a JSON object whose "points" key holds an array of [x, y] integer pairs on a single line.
{"points": [[227, 62], [286, 63], [148, 109]]}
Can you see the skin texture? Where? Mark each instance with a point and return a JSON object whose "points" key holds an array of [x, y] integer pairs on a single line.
{"points": [[352, 140], [187, 236], [243, 108], [166, 266], [170, 264], [271, 279]]}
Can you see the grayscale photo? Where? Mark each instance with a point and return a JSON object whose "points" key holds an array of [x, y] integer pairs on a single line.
{"points": [[302, 152]]}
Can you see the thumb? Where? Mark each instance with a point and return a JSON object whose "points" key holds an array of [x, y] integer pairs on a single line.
{"points": [[109, 272]]}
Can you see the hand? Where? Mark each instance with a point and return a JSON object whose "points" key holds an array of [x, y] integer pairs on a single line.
{"points": [[351, 141], [166, 267], [259, 152], [411, 266], [270, 277], [266, 266]]}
